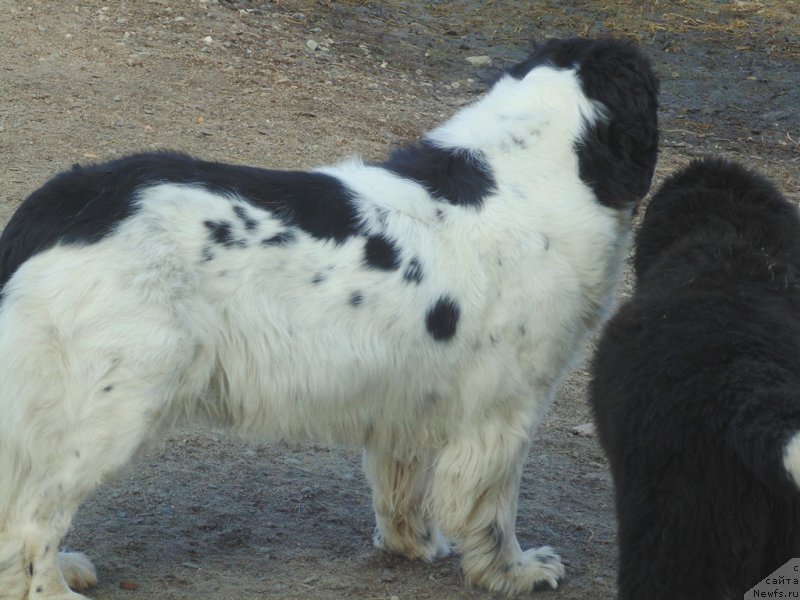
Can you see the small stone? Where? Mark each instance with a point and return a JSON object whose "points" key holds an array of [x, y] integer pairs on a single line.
{"points": [[117, 98], [208, 40], [479, 61], [135, 60], [312, 45], [584, 430], [386, 576], [128, 585]]}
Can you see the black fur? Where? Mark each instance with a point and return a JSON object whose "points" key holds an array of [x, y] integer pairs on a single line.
{"points": [[221, 232], [84, 205], [413, 272], [284, 238], [696, 389], [617, 157], [442, 319], [457, 177], [381, 253]]}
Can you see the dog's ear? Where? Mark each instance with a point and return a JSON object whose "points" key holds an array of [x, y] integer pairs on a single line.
{"points": [[618, 153]]}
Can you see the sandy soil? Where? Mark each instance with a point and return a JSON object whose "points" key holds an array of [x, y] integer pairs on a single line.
{"points": [[293, 84]]}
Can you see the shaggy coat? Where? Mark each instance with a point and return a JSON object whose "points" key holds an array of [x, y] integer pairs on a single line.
{"points": [[424, 308], [695, 389]]}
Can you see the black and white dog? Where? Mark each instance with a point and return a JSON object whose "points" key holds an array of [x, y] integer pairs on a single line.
{"points": [[696, 389], [424, 309]]}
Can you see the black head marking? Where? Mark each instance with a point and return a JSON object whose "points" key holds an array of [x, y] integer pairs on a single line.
{"points": [[460, 177], [356, 299], [280, 239], [381, 253], [617, 153], [441, 321], [249, 222], [413, 272]]}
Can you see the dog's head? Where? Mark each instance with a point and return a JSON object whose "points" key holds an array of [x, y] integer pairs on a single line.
{"points": [[618, 153], [720, 202]]}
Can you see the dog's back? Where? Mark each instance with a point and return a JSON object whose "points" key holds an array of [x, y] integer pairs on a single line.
{"points": [[695, 385]]}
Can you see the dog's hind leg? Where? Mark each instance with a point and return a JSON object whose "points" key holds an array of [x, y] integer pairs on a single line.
{"points": [[474, 493], [404, 523], [77, 402]]}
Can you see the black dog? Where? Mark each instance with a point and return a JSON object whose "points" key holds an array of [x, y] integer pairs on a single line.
{"points": [[696, 389]]}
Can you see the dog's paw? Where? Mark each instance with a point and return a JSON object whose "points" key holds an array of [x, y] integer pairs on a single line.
{"points": [[537, 569], [78, 570], [428, 547]]}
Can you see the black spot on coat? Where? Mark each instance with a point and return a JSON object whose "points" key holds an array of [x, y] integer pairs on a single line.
{"points": [[413, 272], [221, 232], [442, 318], [356, 299], [249, 223], [381, 253], [279, 239]]}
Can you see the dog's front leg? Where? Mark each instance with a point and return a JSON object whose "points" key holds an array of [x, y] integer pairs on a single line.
{"points": [[474, 493]]}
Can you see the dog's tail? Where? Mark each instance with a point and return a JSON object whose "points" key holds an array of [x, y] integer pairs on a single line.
{"points": [[765, 433]]}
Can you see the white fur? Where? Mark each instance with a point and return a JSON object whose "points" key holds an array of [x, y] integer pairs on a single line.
{"points": [[791, 459], [246, 341]]}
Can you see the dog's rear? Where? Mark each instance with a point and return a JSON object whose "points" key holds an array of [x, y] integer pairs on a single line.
{"points": [[424, 308], [695, 389]]}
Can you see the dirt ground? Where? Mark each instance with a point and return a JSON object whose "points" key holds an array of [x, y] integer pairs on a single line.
{"points": [[294, 84]]}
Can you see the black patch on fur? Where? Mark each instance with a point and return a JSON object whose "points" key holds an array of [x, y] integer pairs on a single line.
{"points": [[456, 176], [617, 156], [283, 238], [30, 569], [249, 222], [356, 299], [39, 589], [694, 388], [413, 272], [221, 232], [88, 203], [381, 253], [207, 254], [108, 388], [441, 321], [319, 278]]}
